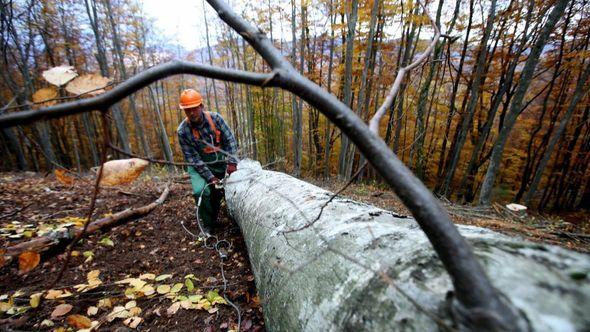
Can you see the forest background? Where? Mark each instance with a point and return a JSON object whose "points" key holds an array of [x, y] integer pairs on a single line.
{"points": [[470, 113]]}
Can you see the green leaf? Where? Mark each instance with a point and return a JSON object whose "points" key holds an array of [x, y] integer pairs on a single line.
{"points": [[176, 288], [189, 285], [163, 277], [106, 241]]}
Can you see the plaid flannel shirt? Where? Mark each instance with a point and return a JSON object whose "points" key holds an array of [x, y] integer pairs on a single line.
{"points": [[189, 148]]}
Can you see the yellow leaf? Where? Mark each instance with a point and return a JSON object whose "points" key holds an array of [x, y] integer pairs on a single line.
{"points": [[176, 288], [5, 306], [79, 321], [35, 300], [91, 83], [60, 75], [53, 294], [147, 276], [63, 178], [105, 303], [122, 171], [135, 311], [148, 290], [44, 95], [27, 261], [61, 310], [47, 323], [93, 275], [163, 289], [137, 283]]}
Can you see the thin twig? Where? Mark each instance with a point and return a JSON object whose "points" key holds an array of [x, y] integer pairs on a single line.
{"points": [[103, 159]]}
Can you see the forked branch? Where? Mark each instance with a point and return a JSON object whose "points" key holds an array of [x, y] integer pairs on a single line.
{"points": [[479, 306]]}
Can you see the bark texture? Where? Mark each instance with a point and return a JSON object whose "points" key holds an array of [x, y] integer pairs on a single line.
{"points": [[332, 276]]}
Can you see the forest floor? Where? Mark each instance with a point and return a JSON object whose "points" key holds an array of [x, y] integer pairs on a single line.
{"points": [[141, 264], [570, 230], [152, 252]]}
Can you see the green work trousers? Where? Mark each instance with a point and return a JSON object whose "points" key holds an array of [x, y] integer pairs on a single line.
{"points": [[211, 198]]}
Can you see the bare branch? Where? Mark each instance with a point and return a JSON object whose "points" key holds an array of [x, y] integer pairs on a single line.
{"points": [[376, 119], [475, 293], [132, 85]]}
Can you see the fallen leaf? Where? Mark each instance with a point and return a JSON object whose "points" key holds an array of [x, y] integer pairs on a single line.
{"points": [[79, 321], [189, 285], [135, 311], [93, 275], [173, 308], [92, 83], [130, 304], [60, 75], [61, 310], [91, 311], [63, 178], [27, 261], [104, 303], [132, 322], [122, 171], [89, 255], [148, 290], [47, 323], [147, 276], [118, 312], [163, 277], [163, 289], [53, 294], [186, 304], [176, 288], [106, 241], [35, 300]]}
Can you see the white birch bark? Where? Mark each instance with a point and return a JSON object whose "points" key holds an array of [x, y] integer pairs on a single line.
{"points": [[312, 279]]}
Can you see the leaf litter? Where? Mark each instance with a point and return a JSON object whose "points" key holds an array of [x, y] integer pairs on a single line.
{"points": [[110, 286]]}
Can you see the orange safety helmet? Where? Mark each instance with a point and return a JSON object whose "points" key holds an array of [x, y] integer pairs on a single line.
{"points": [[190, 98]]}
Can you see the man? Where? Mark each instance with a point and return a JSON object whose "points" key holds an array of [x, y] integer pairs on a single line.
{"points": [[209, 144]]}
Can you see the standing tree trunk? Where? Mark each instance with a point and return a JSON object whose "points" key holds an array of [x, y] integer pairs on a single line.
{"points": [[344, 159], [474, 96], [516, 105], [581, 90]]}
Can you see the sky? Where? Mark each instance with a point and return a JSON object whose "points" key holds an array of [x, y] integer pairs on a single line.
{"points": [[179, 20]]}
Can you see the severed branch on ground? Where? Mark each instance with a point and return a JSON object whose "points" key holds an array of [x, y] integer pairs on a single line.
{"points": [[47, 242]]}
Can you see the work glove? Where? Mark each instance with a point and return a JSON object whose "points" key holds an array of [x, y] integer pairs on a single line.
{"points": [[231, 167]]}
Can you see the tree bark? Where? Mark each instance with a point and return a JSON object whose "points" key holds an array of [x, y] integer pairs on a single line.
{"points": [[347, 270], [485, 195]]}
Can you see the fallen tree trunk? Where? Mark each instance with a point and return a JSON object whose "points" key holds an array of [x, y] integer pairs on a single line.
{"points": [[358, 267], [44, 243]]}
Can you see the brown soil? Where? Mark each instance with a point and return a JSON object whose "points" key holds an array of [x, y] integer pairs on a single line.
{"points": [[155, 243]]}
